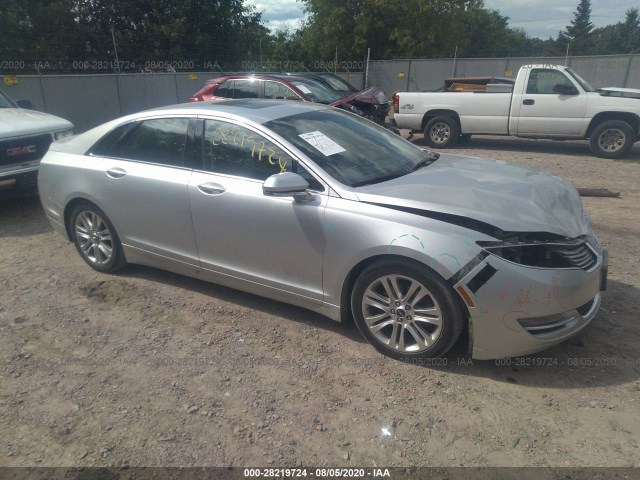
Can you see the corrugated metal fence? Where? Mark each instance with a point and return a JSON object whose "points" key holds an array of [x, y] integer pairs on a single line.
{"points": [[420, 75], [89, 100]]}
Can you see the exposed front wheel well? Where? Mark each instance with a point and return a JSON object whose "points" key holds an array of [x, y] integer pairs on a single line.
{"points": [[406, 310], [352, 276]]}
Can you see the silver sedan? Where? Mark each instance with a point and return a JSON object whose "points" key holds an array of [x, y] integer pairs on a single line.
{"points": [[320, 208]]}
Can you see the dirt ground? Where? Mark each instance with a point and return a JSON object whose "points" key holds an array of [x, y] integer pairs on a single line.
{"points": [[149, 368]]}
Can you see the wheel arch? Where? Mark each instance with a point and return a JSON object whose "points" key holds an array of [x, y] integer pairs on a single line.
{"points": [[354, 273], [631, 118], [440, 113]]}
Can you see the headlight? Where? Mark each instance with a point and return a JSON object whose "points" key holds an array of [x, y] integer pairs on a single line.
{"points": [[62, 134], [574, 253]]}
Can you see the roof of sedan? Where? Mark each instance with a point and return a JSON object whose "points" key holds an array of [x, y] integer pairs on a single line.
{"points": [[256, 110]]}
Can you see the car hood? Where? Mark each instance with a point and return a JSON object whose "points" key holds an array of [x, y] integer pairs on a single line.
{"points": [[491, 193], [619, 92], [17, 122]]}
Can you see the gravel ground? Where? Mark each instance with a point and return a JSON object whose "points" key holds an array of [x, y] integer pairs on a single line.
{"points": [[149, 368]]}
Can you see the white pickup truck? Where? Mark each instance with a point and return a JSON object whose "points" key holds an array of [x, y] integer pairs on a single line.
{"points": [[25, 136], [545, 101]]}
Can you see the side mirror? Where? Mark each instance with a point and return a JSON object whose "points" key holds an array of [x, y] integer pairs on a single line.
{"points": [[284, 184], [565, 89], [25, 104]]}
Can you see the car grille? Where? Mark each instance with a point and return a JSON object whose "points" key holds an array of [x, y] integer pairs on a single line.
{"points": [[23, 150], [578, 256]]}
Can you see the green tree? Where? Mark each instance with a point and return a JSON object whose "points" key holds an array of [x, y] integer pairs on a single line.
{"points": [[578, 33], [43, 30], [167, 31], [629, 31]]}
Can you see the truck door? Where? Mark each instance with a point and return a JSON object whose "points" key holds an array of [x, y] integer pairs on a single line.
{"points": [[551, 105]]}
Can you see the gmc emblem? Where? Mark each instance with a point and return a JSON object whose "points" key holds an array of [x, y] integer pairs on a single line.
{"points": [[14, 152]]}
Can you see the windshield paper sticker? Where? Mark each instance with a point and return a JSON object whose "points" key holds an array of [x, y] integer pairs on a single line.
{"points": [[303, 89], [321, 142]]}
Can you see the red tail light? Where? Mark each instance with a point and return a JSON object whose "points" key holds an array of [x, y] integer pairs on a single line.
{"points": [[193, 99], [396, 103]]}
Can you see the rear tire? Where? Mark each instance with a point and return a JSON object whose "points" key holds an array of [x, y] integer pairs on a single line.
{"points": [[441, 132], [95, 238], [611, 139], [404, 312]]}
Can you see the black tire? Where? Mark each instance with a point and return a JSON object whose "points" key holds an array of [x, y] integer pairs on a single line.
{"points": [[441, 132], [611, 139], [95, 238], [390, 327]]}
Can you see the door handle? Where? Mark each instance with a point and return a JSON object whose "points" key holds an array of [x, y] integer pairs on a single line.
{"points": [[211, 188], [116, 172], [528, 101]]}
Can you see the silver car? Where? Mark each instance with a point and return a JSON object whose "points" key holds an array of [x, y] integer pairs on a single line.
{"points": [[320, 208]]}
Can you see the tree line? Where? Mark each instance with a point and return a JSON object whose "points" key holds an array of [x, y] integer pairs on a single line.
{"points": [[228, 34]]}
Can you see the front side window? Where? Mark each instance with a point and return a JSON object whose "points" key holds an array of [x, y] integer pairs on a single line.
{"points": [[156, 141], [246, 88], [278, 90], [234, 150], [543, 81]]}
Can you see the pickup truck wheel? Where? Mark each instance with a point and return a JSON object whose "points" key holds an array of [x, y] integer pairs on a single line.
{"points": [[611, 139], [441, 132]]}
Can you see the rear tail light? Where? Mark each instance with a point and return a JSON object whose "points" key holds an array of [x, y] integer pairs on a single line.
{"points": [[193, 99], [396, 103]]}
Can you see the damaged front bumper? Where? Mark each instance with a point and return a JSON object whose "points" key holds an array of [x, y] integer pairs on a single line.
{"points": [[517, 310]]}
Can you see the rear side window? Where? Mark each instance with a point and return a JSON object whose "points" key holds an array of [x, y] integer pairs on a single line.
{"points": [[105, 146], [225, 90], [155, 141]]}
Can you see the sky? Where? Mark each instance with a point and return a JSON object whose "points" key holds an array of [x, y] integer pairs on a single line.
{"points": [[538, 18]]}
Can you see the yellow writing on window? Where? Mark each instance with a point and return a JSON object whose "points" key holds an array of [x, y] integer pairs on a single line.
{"points": [[259, 149]]}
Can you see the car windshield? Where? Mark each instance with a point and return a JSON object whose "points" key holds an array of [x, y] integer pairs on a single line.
{"points": [[6, 102], [338, 83], [352, 150], [583, 83], [315, 90]]}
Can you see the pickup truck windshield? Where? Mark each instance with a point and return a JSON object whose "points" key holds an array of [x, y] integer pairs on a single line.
{"points": [[352, 150], [583, 83]]}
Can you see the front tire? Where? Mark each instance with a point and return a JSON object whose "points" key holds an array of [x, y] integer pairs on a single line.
{"points": [[95, 238], [611, 139], [404, 312], [441, 132]]}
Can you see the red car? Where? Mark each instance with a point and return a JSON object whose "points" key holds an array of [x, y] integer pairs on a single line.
{"points": [[370, 103]]}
